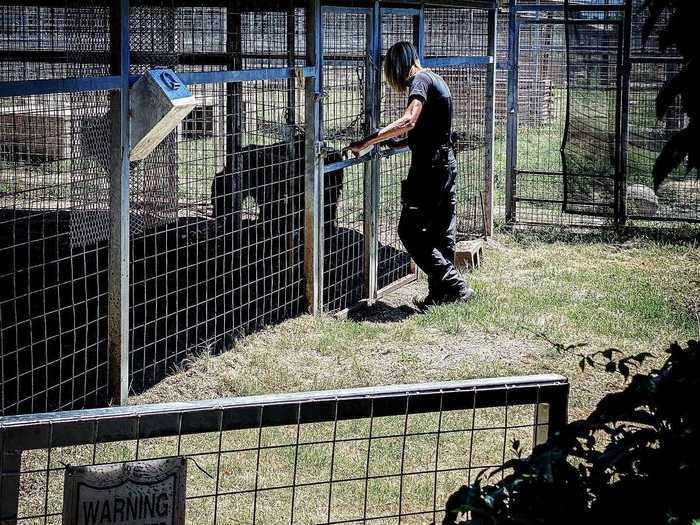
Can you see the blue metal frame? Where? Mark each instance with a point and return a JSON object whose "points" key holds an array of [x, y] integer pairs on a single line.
{"points": [[458, 61], [402, 11], [67, 85], [560, 8], [244, 75], [344, 9], [86, 84]]}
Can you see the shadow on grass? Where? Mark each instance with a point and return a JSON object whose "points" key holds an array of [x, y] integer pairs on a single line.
{"points": [[381, 313]]}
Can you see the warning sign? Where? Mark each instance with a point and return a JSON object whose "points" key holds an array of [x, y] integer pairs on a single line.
{"points": [[135, 493]]}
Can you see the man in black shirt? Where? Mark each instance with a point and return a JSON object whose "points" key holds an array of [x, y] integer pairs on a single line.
{"points": [[428, 223]]}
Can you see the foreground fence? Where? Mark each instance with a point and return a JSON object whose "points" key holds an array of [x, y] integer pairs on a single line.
{"points": [[368, 455]]}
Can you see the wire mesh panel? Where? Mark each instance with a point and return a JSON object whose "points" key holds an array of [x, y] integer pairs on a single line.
{"points": [[454, 32], [230, 259], [678, 198], [67, 39], [464, 33], [54, 210], [468, 86], [365, 455], [344, 110], [393, 260], [394, 263], [591, 155], [538, 186]]}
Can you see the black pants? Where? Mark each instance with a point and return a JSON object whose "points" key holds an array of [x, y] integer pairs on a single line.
{"points": [[428, 224]]}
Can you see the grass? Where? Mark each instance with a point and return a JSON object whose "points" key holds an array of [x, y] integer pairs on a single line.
{"points": [[629, 293], [635, 293]]}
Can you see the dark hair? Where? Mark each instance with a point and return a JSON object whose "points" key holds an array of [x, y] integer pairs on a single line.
{"points": [[398, 63]]}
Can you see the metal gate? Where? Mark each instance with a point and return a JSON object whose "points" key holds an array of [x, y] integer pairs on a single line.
{"points": [[581, 90], [363, 256]]}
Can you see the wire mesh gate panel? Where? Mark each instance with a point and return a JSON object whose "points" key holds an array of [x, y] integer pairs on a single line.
{"points": [[345, 111], [364, 256], [379, 455], [232, 258], [54, 193], [591, 149], [624, 127], [394, 263]]}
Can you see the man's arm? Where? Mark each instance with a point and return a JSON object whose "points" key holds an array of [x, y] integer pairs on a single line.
{"points": [[397, 128]]}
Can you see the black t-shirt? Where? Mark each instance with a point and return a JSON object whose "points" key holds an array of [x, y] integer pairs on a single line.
{"points": [[434, 125]]}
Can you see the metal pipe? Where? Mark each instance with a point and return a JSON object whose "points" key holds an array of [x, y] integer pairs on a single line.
{"points": [[489, 392], [490, 123], [372, 171], [512, 119]]}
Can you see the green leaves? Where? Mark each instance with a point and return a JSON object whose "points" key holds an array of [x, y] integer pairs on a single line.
{"points": [[679, 31], [635, 459]]}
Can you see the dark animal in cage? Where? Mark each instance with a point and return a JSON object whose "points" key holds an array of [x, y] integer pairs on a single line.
{"points": [[273, 177]]}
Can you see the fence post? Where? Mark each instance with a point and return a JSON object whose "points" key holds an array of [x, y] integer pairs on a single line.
{"points": [[10, 469], [313, 185], [118, 309], [490, 121], [512, 111], [621, 183], [372, 169], [551, 412]]}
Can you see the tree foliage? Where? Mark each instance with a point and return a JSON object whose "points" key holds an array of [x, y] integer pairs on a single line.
{"points": [[676, 22], [635, 459]]}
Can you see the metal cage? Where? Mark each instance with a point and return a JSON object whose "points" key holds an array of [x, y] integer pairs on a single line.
{"points": [[581, 90], [112, 272]]}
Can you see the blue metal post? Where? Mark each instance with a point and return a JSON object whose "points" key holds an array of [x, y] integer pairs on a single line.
{"points": [[118, 310], [512, 108]]}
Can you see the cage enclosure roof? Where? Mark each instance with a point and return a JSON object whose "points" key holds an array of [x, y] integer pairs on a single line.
{"points": [[264, 5]]}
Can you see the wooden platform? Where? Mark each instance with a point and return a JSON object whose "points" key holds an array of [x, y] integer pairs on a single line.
{"points": [[469, 254]]}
